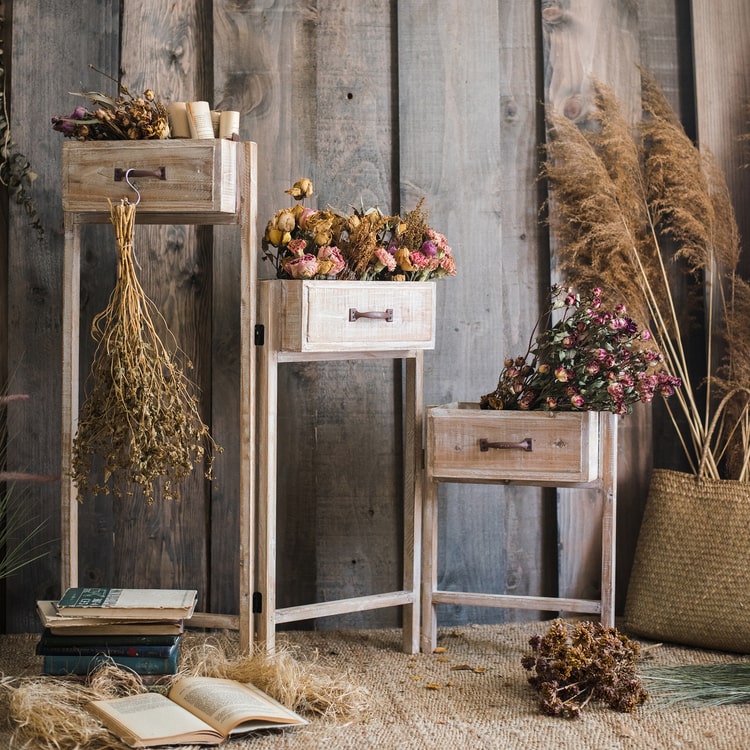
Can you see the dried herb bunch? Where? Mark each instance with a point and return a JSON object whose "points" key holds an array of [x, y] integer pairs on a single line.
{"points": [[140, 419], [640, 214], [575, 664]]}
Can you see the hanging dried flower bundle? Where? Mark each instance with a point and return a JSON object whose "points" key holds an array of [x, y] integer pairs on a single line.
{"points": [[140, 423]]}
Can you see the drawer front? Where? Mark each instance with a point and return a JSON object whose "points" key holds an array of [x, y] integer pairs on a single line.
{"points": [[468, 444], [199, 177], [340, 316]]}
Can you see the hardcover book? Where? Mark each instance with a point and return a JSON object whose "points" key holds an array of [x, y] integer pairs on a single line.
{"points": [[143, 604], [81, 665], [197, 710], [162, 646], [98, 626]]}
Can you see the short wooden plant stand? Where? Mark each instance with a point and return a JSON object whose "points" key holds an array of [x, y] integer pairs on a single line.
{"points": [[179, 182], [305, 321], [547, 449]]}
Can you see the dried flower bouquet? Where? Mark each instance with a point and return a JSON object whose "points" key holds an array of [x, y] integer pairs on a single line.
{"points": [[639, 214], [367, 245]]}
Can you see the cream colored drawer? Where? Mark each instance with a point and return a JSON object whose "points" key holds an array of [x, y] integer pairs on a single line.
{"points": [[467, 444], [340, 316], [196, 179]]}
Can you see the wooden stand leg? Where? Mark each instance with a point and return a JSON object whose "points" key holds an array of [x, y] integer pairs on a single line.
{"points": [[608, 431], [428, 639], [413, 473], [266, 527], [70, 324]]}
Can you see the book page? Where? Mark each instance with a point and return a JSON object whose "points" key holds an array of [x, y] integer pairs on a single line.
{"points": [[231, 706], [150, 719]]}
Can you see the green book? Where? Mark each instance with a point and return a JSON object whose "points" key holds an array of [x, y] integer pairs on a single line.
{"points": [[63, 664], [138, 604]]}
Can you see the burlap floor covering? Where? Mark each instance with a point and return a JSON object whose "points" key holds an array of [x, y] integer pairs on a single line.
{"points": [[493, 709]]}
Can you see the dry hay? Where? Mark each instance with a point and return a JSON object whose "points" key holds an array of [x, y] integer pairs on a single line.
{"points": [[50, 713]]}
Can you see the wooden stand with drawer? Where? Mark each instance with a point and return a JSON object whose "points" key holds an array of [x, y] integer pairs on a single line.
{"points": [[179, 182], [547, 449], [328, 320]]}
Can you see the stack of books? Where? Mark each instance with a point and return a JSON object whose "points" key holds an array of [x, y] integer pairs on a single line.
{"points": [[137, 629]]}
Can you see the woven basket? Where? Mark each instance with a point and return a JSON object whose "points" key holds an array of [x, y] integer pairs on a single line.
{"points": [[690, 581]]}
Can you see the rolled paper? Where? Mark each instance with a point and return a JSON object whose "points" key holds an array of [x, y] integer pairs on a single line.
{"points": [[179, 126], [215, 114], [229, 124], [199, 119]]}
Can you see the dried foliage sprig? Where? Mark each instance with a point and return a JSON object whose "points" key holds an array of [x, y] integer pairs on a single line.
{"points": [[16, 174], [574, 664], [141, 418], [699, 684], [638, 213], [20, 532]]}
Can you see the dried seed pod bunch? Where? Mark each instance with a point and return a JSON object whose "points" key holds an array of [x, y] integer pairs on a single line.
{"points": [[140, 423], [124, 117], [575, 664]]}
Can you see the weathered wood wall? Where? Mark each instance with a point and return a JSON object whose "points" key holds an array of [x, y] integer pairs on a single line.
{"points": [[387, 101]]}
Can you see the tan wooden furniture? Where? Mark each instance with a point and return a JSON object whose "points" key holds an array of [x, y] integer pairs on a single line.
{"points": [[329, 320], [179, 182], [550, 449]]}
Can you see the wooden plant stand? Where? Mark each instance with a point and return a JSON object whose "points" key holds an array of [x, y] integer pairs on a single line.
{"points": [[333, 320], [180, 182], [546, 449]]}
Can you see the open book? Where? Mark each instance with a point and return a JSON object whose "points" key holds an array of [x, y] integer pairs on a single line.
{"points": [[198, 710]]}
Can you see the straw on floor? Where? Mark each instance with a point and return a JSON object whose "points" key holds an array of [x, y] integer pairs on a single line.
{"points": [[473, 694]]}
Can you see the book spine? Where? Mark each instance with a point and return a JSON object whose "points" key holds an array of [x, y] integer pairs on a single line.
{"points": [[145, 665], [106, 642], [162, 652]]}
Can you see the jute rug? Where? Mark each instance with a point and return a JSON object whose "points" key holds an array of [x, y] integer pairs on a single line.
{"points": [[473, 695]]}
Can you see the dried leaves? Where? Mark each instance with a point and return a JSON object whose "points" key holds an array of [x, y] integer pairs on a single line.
{"points": [[575, 664], [140, 421]]}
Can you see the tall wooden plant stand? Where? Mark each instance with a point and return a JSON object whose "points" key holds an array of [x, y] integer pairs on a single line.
{"points": [[304, 321], [544, 449], [180, 182]]}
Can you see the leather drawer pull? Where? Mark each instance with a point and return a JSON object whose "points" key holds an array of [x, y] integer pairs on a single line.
{"points": [[355, 315], [525, 445]]}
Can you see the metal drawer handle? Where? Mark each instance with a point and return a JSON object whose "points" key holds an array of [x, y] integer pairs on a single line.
{"points": [[355, 314], [525, 445], [121, 174]]}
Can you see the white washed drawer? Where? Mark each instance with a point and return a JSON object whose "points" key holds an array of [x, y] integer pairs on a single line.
{"points": [[196, 179], [340, 316], [467, 444]]}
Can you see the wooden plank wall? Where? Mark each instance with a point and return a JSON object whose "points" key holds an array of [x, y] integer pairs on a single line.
{"points": [[383, 101]]}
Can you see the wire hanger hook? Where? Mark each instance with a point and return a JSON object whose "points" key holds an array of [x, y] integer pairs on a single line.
{"points": [[135, 189]]}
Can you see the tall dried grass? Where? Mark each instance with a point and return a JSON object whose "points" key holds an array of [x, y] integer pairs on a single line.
{"points": [[639, 213]]}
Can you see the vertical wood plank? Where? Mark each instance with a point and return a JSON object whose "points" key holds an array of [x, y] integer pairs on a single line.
{"points": [[166, 544], [265, 69], [40, 86], [477, 141], [357, 448], [722, 92], [588, 41]]}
